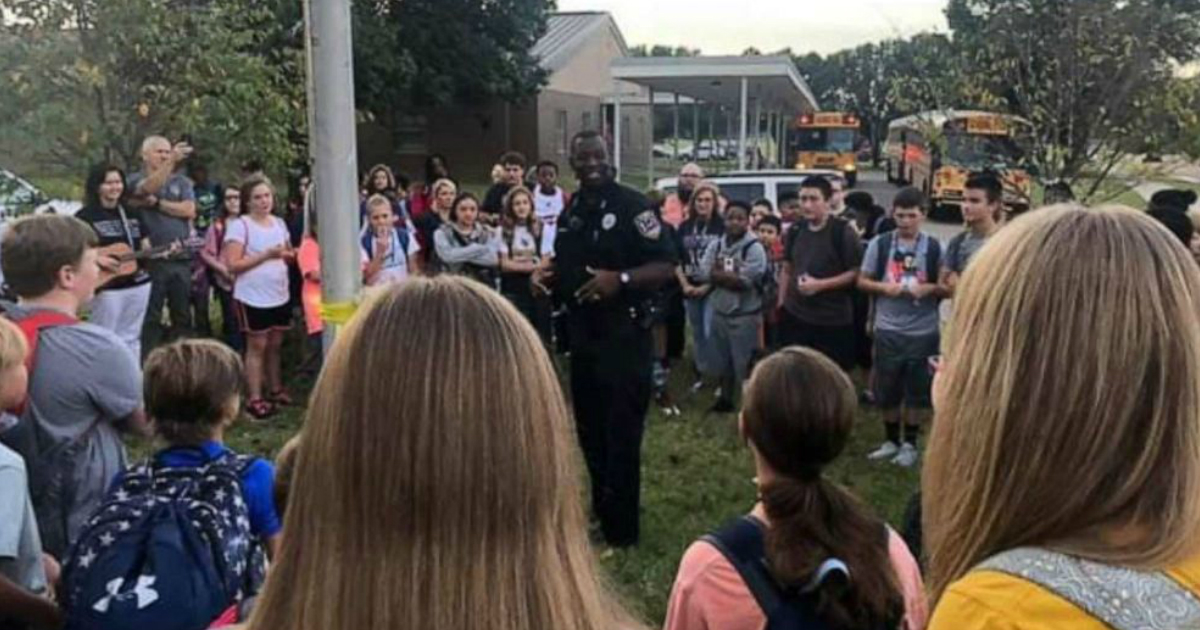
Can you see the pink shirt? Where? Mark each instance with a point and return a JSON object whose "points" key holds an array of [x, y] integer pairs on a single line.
{"points": [[309, 260], [710, 595]]}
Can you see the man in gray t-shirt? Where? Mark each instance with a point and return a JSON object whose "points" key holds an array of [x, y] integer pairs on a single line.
{"points": [[168, 205], [900, 270]]}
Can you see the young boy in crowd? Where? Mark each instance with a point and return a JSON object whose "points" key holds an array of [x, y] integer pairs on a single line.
{"points": [[26, 574], [900, 270], [789, 210], [513, 175], [85, 387], [193, 394], [770, 231], [734, 265], [391, 248], [549, 201]]}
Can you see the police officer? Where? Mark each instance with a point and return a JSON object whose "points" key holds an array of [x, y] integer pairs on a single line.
{"points": [[611, 256]]}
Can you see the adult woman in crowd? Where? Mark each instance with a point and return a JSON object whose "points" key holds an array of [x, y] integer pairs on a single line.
{"points": [[258, 250], [702, 227], [464, 510], [222, 277], [120, 304], [1062, 482], [807, 542]]}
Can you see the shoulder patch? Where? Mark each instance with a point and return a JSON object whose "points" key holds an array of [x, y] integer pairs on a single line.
{"points": [[648, 225]]}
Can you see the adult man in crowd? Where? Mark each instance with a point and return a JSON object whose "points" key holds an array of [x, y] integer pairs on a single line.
{"points": [[674, 209], [983, 205], [514, 175], [900, 269], [822, 254], [168, 205], [85, 386], [612, 256]]}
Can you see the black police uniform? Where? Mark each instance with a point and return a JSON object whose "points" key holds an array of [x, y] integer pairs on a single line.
{"points": [[612, 228]]}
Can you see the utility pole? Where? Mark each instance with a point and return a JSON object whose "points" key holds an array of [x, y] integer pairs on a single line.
{"points": [[336, 155]]}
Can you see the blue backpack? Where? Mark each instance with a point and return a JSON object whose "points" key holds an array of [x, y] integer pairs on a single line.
{"points": [[169, 549]]}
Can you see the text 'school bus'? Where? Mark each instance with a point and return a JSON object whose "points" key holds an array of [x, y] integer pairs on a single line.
{"points": [[936, 151], [827, 140]]}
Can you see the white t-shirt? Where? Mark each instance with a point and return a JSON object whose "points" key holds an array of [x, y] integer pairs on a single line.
{"points": [[524, 246], [265, 286], [395, 266], [548, 207]]}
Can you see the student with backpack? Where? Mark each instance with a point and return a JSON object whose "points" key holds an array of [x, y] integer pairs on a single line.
{"points": [[900, 270], [809, 555], [27, 575], [735, 266], [1061, 488], [392, 249], [85, 387], [822, 254], [182, 536]]}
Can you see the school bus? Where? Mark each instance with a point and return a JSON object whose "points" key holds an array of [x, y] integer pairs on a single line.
{"points": [[936, 151], [827, 140]]}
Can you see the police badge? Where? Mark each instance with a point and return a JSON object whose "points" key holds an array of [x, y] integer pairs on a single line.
{"points": [[648, 225]]}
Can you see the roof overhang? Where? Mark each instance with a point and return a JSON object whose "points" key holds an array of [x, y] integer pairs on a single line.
{"points": [[772, 81]]}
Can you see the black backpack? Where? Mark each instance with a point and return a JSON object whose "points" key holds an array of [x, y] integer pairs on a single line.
{"points": [[742, 542], [933, 256]]}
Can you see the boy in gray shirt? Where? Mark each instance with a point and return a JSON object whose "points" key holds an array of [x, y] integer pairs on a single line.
{"points": [[900, 270], [86, 385], [734, 265]]}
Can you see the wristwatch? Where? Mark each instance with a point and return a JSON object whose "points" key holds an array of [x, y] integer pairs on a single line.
{"points": [[624, 278]]}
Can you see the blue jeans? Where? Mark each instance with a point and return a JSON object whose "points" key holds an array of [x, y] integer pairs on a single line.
{"points": [[699, 317]]}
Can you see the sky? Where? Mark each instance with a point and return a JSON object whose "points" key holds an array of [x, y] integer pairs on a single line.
{"points": [[728, 27]]}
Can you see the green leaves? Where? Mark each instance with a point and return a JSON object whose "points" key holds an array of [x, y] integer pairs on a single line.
{"points": [[82, 80]]}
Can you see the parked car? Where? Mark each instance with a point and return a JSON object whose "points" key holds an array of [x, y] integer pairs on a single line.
{"points": [[747, 186], [18, 197]]}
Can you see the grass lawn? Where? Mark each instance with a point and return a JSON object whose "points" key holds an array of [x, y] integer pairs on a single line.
{"points": [[695, 475]]}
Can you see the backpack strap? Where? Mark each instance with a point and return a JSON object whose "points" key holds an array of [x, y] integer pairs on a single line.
{"points": [[742, 544], [1123, 599], [883, 251], [32, 327]]}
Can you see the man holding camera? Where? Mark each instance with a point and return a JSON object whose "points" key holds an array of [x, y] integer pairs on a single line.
{"points": [[168, 204]]}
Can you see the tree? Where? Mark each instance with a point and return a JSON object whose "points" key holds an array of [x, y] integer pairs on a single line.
{"points": [[83, 80], [1084, 73], [412, 54]]}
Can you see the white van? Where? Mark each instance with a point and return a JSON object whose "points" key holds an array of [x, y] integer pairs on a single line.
{"points": [[749, 186]]}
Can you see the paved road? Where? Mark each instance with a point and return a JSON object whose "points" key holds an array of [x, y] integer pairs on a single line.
{"points": [[875, 183]]}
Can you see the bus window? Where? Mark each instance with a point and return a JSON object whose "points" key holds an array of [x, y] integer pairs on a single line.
{"points": [[826, 140]]}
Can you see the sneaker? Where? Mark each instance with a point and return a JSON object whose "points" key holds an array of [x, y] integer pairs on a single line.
{"points": [[888, 450], [697, 386], [906, 457]]}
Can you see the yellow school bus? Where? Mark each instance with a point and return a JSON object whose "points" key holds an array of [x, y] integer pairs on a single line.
{"points": [[936, 151], [827, 140]]}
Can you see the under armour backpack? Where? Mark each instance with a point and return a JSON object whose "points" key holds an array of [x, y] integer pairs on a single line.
{"points": [[169, 549]]}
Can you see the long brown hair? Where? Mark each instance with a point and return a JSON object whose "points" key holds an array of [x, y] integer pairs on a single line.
{"points": [[421, 503], [798, 415], [1068, 410], [509, 220]]}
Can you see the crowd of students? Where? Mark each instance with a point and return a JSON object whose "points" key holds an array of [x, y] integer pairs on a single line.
{"points": [[468, 512]]}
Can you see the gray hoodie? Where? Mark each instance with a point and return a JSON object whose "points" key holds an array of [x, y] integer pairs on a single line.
{"points": [[749, 259]]}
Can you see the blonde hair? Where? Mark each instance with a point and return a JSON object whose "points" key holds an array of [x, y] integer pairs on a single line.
{"points": [[1069, 407], [420, 503], [440, 184], [377, 200], [13, 347]]}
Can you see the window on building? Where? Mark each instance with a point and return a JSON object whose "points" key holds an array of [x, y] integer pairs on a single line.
{"points": [[560, 127], [586, 121]]}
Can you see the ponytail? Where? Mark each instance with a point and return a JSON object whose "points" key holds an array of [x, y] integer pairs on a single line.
{"points": [[798, 413], [815, 521]]}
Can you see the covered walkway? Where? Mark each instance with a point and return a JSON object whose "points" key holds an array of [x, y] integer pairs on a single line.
{"points": [[755, 88]]}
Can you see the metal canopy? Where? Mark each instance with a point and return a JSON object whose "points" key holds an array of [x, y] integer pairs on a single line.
{"points": [[774, 81], [772, 84]]}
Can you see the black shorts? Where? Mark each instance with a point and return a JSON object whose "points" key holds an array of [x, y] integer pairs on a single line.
{"points": [[835, 342], [252, 319], [902, 373]]}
